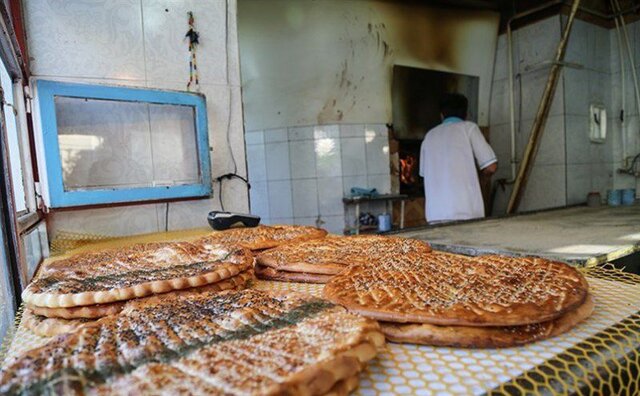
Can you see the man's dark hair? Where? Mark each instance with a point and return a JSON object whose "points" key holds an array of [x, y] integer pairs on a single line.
{"points": [[454, 105]]}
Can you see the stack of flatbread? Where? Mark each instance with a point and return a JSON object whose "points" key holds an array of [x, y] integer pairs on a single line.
{"points": [[317, 261], [77, 290], [267, 237], [236, 342], [475, 302]]}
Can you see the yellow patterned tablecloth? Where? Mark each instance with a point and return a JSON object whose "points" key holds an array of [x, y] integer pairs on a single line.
{"points": [[599, 356]]}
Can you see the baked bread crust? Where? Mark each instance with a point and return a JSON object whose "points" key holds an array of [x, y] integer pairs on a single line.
{"points": [[237, 282], [447, 289], [268, 273], [133, 272], [331, 255], [266, 237], [486, 337], [50, 327], [246, 342]]}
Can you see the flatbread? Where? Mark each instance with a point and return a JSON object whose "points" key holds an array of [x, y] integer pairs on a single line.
{"points": [[237, 282], [344, 387], [49, 327], [456, 290], [137, 271], [331, 255], [246, 342], [268, 273], [266, 237], [486, 337]]}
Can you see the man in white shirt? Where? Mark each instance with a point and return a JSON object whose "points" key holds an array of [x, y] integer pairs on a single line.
{"points": [[450, 157]]}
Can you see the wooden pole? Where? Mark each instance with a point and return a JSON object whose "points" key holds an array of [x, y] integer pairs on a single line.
{"points": [[541, 117]]}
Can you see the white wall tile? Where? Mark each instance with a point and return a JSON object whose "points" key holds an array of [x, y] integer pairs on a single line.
{"points": [[330, 196], [552, 144], [577, 132], [602, 178], [166, 52], [259, 195], [533, 85], [377, 155], [353, 156], [277, 160], [576, 91], [326, 131], [546, 188], [382, 183], [280, 204], [334, 224], [307, 221], [352, 130], [578, 183], [254, 137], [85, 39], [305, 197], [281, 220], [256, 162], [376, 130], [301, 133], [328, 157], [303, 159], [499, 112], [578, 45], [276, 135], [538, 41]]}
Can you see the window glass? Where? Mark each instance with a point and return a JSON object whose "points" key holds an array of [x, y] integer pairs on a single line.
{"points": [[12, 136], [112, 144]]}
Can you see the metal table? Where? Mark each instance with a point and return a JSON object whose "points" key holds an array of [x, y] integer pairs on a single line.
{"points": [[386, 198]]}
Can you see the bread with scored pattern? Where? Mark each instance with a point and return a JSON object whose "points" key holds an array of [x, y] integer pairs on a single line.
{"points": [[446, 289]]}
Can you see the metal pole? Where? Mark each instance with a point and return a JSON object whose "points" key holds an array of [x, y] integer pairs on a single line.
{"points": [[541, 117]]}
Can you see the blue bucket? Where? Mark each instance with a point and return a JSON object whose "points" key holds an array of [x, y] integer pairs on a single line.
{"points": [[628, 196], [384, 222], [614, 197]]}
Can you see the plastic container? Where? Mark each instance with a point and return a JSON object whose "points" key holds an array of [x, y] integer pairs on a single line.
{"points": [[628, 196], [384, 222], [614, 197]]}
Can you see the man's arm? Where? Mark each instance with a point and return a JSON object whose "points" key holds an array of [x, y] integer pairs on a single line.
{"points": [[490, 169]]}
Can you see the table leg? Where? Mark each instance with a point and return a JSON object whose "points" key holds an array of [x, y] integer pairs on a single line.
{"points": [[401, 214], [357, 218]]}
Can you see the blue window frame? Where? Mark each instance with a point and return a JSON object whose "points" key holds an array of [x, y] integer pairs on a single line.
{"points": [[60, 195]]}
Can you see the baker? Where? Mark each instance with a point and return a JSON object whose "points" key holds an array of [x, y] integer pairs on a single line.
{"points": [[450, 156]]}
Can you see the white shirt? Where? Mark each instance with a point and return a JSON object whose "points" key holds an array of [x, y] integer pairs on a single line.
{"points": [[451, 185]]}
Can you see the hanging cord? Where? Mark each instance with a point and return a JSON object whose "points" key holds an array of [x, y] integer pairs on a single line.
{"points": [[193, 37]]}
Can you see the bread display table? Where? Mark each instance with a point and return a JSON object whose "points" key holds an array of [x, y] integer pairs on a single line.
{"points": [[601, 355]]}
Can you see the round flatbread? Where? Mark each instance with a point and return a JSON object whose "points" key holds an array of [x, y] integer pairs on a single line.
{"points": [[237, 282], [266, 237], [331, 255], [50, 327], [245, 342], [136, 271], [486, 337], [268, 273], [448, 289]]}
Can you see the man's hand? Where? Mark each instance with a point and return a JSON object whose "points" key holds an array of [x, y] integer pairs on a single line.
{"points": [[490, 170]]}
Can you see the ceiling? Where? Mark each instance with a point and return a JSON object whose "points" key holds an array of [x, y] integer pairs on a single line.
{"points": [[595, 11]]}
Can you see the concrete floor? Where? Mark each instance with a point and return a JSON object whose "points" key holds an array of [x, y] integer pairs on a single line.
{"points": [[579, 235]]}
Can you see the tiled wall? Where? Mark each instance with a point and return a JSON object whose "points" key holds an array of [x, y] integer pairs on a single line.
{"points": [[568, 165], [632, 118], [141, 43], [532, 46], [300, 174]]}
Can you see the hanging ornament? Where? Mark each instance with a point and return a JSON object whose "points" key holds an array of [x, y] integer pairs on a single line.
{"points": [[193, 37]]}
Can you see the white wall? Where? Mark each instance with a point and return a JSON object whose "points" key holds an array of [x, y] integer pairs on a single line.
{"points": [[308, 62], [568, 165], [141, 43]]}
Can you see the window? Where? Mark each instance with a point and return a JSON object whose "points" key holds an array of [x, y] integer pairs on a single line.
{"points": [[106, 144], [13, 138]]}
